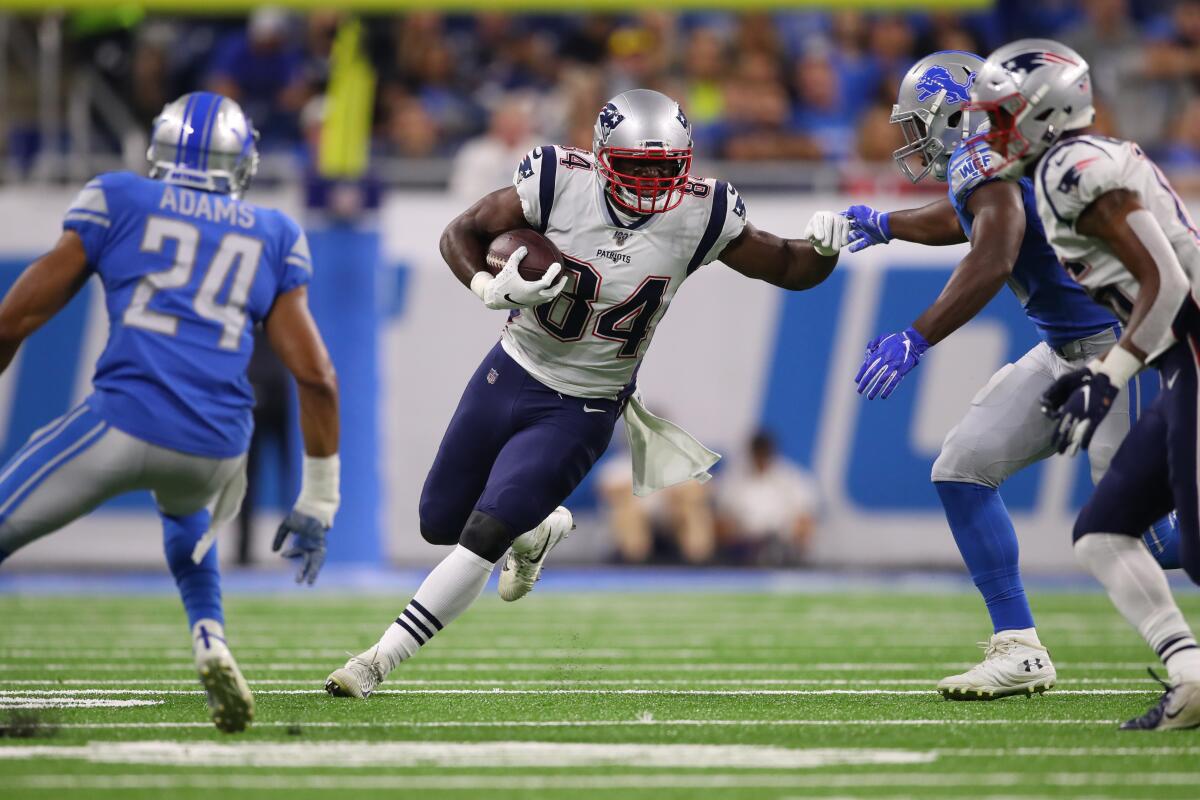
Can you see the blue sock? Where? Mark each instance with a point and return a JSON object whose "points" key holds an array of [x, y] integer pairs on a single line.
{"points": [[1163, 541], [987, 541], [199, 584]]}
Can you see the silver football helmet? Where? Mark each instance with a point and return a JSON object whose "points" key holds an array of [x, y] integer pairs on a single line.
{"points": [[205, 141], [931, 111], [643, 148], [1033, 91]]}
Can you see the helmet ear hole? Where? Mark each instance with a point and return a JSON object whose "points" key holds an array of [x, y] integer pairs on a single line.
{"points": [[954, 120], [1045, 115]]}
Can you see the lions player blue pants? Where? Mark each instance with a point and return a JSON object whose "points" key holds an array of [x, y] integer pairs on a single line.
{"points": [[514, 450], [79, 461], [1155, 469]]}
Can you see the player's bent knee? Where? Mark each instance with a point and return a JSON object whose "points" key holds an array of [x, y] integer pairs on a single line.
{"points": [[435, 534], [957, 465], [486, 536]]}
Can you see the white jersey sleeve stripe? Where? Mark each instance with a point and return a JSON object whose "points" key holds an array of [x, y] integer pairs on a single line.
{"points": [[716, 221]]}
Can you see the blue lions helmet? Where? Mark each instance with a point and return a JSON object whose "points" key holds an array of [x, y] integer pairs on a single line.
{"points": [[205, 141], [931, 111]]}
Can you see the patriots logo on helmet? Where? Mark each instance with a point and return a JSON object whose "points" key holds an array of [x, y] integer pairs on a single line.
{"points": [[1024, 63], [610, 118], [937, 79], [679, 115]]}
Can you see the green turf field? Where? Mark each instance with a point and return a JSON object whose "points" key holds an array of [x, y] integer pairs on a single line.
{"points": [[582, 695]]}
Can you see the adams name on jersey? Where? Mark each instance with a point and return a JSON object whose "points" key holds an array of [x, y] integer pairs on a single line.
{"points": [[1077, 171], [186, 274], [622, 270]]}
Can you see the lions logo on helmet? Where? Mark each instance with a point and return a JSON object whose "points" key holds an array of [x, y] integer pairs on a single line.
{"points": [[938, 79]]}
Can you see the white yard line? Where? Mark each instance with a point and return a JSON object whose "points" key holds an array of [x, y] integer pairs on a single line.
{"points": [[603, 692], [432, 663], [602, 782], [162, 682], [519, 754], [647, 721], [14, 702]]}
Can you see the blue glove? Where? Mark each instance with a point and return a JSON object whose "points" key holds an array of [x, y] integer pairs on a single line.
{"points": [[308, 544], [889, 358], [1089, 398], [867, 227]]}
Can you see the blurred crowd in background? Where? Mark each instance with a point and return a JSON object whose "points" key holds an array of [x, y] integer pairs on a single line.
{"points": [[806, 85]]}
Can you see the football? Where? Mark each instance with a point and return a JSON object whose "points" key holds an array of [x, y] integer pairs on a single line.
{"points": [[542, 253]]}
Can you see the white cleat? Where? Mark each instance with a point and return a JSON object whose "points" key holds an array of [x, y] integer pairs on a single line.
{"points": [[525, 560], [230, 703], [1177, 709], [358, 678], [1012, 664]]}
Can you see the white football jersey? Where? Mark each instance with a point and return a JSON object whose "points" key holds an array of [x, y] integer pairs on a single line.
{"points": [[1080, 169], [622, 271]]}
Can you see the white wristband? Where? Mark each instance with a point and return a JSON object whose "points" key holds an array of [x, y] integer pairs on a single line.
{"points": [[319, 492], [1120, 365], [479, 283]]}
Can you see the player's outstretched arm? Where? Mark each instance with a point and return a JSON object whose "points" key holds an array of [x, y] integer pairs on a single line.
{"points": [[996, 236], [43, 289], [997, 232], [296, 340], [931, 224], [465, 240], [789, 263]]}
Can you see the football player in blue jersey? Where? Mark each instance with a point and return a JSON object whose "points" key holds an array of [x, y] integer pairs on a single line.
{"points": [[188, 269], [1004, 430]]}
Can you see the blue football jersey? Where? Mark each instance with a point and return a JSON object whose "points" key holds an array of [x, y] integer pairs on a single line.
{"points": [[1054, 303], [186, 276]]}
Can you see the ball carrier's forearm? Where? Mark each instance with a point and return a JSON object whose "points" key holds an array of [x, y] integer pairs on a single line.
{"points": [[465, 240]]}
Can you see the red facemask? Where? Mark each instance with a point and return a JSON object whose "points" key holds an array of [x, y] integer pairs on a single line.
{"points": [[1002, 137], [645, 195]]}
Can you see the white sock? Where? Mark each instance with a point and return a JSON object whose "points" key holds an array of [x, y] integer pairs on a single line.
{"points": [[208, 638], [447, 592], [1138, 588]]}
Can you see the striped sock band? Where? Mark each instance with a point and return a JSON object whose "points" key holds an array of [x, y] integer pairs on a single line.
{"points": [[1175, 646], [420, 624]]}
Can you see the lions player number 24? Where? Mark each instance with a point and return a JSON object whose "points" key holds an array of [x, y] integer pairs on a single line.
{"points": [[567, 317], [235, 250]]}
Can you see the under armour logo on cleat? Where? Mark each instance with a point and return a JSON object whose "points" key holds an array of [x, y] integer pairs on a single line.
{"points": [[1030, 664]]}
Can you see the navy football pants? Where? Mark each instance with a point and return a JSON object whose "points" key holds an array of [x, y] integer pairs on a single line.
{"points": [[1154, 470], [514, 450]]}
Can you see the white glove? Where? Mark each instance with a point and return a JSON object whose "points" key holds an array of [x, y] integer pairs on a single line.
{"points": [[507, 289], [828, 231]]}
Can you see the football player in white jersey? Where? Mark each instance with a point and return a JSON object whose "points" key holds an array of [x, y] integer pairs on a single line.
{"points": [[632, 224], [1122, 233]]}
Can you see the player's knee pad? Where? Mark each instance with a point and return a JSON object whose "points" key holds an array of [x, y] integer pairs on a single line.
{"points": [[486, 536]]}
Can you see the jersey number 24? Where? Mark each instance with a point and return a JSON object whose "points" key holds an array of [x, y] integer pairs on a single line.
{"points": [[236, 253]]}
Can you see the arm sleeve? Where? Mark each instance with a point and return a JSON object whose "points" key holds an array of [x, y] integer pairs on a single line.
{"points": [[729, 212], [297, 260], [1074, 175], [964, 174], [89, 217], [535, 183]]}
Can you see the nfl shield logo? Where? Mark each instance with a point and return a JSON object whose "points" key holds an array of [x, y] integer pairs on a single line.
{"points": [[492, 376]]}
